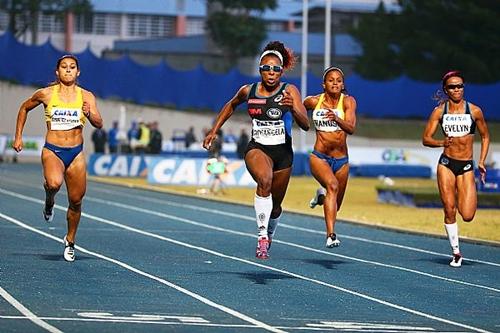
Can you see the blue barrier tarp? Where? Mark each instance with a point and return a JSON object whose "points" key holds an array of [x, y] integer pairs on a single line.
{"points": [[162, 85]]}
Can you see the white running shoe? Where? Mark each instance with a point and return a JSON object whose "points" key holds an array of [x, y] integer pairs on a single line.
{"points": [[319, 198], [457, 260], [69, 250], [48, 214], [332, 241]]}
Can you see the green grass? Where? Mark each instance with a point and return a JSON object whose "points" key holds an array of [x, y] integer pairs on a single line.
{"points": [[405, 129], [360, 205], [429, 196]]}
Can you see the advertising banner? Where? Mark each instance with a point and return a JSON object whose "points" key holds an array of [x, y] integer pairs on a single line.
{"points": [[118, 165], [32, 146], [193, 171]]}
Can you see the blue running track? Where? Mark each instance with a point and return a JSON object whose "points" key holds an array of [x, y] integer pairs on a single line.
{"points": [[155, 262]]}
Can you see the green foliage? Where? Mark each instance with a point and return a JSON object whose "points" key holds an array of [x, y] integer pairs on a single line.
{"points": [[379, 60], [236, 35], [426, 196], [234, 30], [428, 38], [23, 14]]}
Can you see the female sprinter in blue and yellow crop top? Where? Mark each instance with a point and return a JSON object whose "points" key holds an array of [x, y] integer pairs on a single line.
{"points": [[455, 172], [67, 107], [334, 117]]}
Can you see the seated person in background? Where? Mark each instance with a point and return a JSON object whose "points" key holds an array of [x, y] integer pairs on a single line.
{"points": [[190, 138]]}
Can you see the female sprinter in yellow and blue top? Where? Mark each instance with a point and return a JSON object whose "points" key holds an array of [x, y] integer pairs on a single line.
{"points": [[272, 106], [334, 116], [67, 107], [458, 120]]}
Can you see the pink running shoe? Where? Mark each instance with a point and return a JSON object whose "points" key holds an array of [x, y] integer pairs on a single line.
{"points": [[262, 246]]}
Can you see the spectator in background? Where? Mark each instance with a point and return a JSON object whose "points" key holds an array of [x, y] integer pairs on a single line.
{"points": [[242, 144], [190, 138], [230, 137], [143, 137], [216, 167], [132, 134], [99, 138], [156, 139], [216, 147], [113, 138]]}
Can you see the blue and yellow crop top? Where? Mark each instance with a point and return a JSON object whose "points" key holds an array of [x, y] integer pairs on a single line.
{"points": [[321, 122], [64, 116]]}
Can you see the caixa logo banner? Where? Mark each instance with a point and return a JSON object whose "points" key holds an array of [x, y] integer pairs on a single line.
{"points": [[162, 170], [394, 156], [118, 165], [193, 171]]}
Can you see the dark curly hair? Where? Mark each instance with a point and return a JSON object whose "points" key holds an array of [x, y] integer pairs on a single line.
{"points": [[289, 59]]}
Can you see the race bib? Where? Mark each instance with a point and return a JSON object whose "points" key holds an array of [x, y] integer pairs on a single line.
{"points": [[268, 132], [457, 125], [322, 123], [65, 119]]}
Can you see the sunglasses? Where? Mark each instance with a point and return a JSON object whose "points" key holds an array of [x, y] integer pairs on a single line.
{"points": [[455, 86], [267, 68]]}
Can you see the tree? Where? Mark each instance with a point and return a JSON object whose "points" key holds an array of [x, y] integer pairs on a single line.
{"points": [[427, 38], [379, 59], [234, 30], [23, 14]]}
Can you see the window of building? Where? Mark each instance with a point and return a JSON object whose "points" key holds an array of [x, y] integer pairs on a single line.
{"points": [[276, 26], [98, 23], [4, 21], [83, 24], [156, 26], [195, 26], [149, 26], [51, 23], [113, 24]]}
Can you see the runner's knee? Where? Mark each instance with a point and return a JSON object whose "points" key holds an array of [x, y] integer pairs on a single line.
{"points": [[332, 187], [52, 186]]}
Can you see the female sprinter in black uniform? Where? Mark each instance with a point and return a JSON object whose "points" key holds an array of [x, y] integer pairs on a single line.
{"points": [[272, 105], [455, 172]]}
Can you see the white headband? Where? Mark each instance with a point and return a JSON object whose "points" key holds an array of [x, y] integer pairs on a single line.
{"points": [[332, 68], [276, 53]]}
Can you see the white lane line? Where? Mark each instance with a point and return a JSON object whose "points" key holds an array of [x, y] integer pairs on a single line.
{"points": [[27, 313], [404, 247], [337, 326], [219, 254], [249, 218], [111, 320], [215, 253], [208, 226], [200, 298], [284, 225]]}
